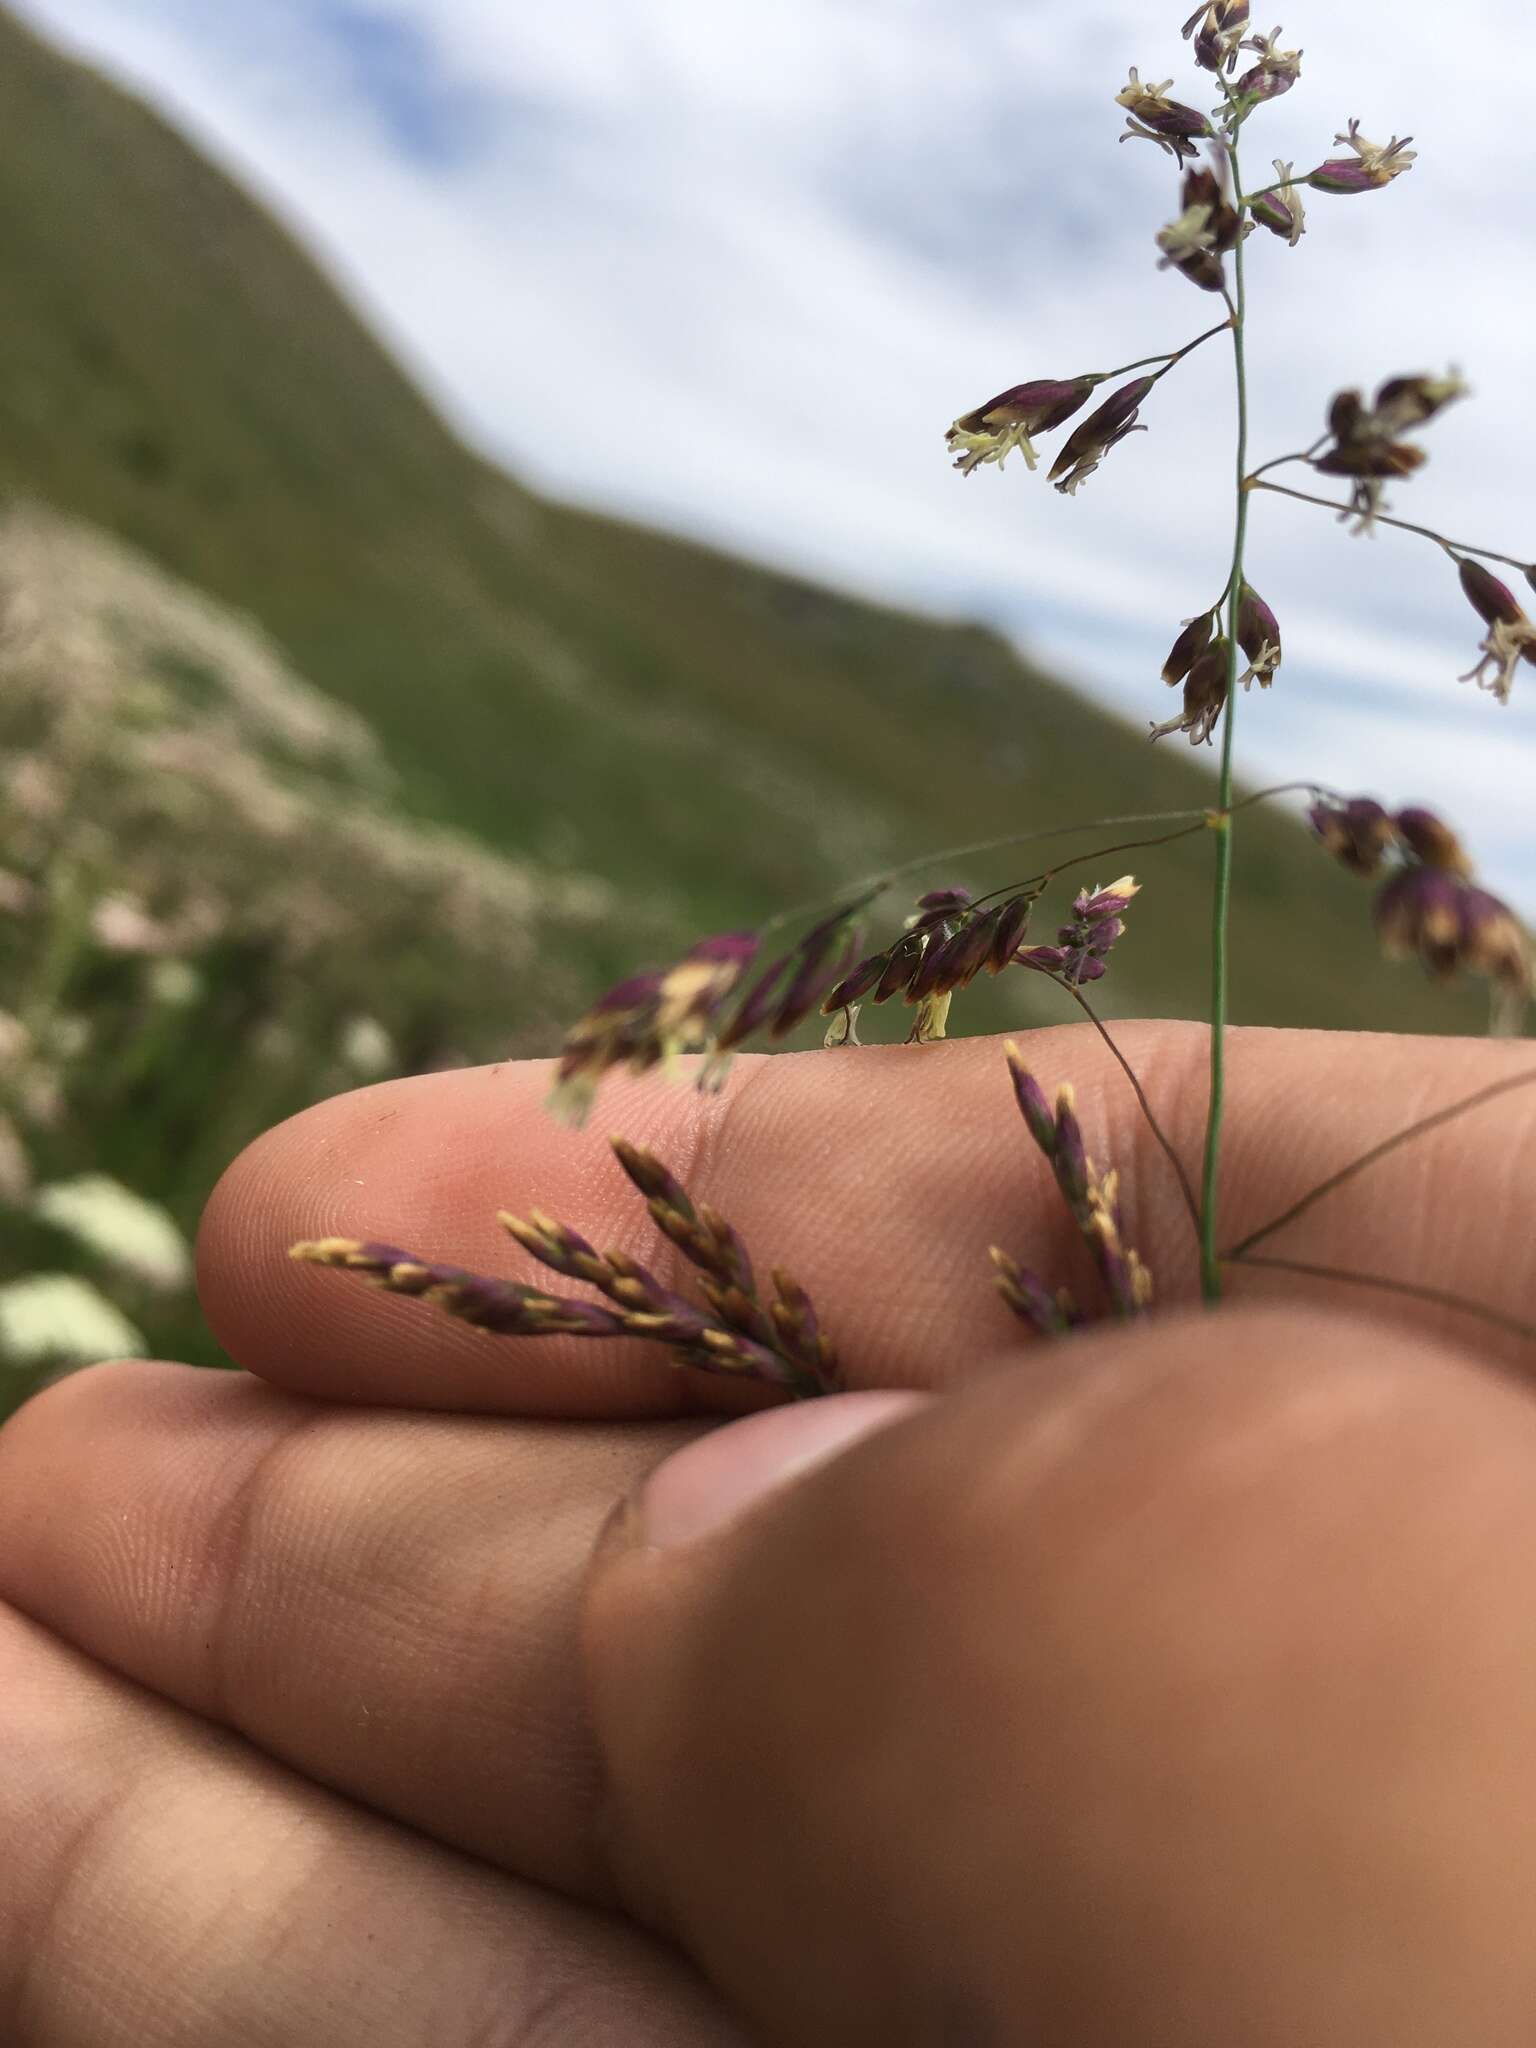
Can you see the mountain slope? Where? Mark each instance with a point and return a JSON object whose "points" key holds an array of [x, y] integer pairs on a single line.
{"points": [[716, 739]]}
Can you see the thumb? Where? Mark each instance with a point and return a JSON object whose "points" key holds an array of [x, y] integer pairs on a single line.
{"points": [[1173, 1687]]}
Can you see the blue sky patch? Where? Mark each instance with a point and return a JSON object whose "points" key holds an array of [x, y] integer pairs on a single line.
{"points": [[429, 113]]}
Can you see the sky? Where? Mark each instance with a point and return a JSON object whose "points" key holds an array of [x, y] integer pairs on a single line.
{"points": [[733, 270]]}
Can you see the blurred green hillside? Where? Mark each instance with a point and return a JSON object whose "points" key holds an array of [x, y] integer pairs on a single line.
{"points": [[714, 737], [634, 739]]}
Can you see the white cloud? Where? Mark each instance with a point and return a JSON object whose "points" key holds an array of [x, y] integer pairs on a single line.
{"points": [[735, 268]]}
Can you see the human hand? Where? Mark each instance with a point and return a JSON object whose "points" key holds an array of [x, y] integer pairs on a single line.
{"points": [[1175, 1686]]}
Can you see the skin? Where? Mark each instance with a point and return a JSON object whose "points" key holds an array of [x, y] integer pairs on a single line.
{"points": [[1173, 1686]]}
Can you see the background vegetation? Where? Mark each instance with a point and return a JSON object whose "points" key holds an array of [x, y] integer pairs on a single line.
{"points": [[329, 751]]}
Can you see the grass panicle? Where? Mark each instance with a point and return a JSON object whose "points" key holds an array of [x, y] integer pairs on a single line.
{"points": [[778, 1341]]}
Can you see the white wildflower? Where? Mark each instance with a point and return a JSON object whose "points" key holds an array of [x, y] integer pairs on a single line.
{"points": [[17, 894], [59, 1317], [15, 1039], [274, 1041], [176, 983], [40, 1097], [68, 1035], [366, 1047], [138, 1237], [34, 789], [123, 925]]}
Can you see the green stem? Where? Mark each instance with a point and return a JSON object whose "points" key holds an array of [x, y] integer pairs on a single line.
{"points": [[1221, 903]]}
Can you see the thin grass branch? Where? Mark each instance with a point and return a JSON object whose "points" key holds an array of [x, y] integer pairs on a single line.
{"points": [[1425, 1124], [1461, 547], [1435, 1297], [1165, 1143]]}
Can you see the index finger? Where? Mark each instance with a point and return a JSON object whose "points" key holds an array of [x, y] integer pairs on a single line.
{"points": [[880, 1178]]}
